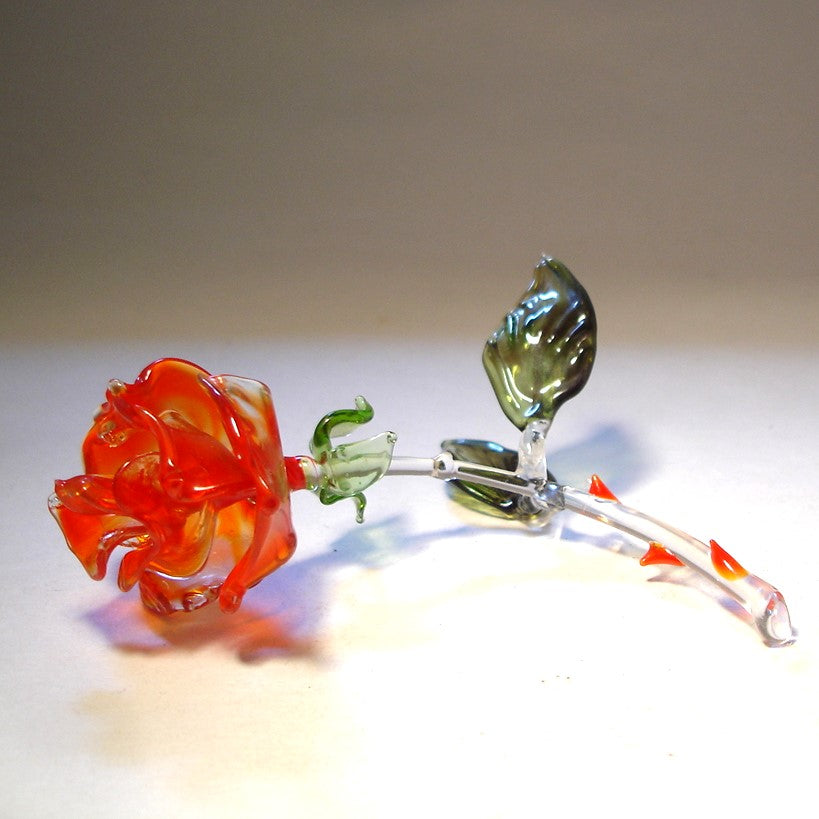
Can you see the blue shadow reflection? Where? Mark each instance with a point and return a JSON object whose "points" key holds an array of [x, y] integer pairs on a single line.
{"points": [[283, 615]]}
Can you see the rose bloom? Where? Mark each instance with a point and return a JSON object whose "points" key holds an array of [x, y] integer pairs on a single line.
{"points": [[185, 470]]}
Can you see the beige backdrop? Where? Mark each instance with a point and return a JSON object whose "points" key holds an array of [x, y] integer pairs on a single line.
{"points": [[261, 169]]}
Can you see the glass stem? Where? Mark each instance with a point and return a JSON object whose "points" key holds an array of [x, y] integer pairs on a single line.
{"points": [[762, 601]]}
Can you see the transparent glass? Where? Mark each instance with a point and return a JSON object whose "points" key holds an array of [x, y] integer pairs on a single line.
{"points": [[185, 470], [543, 352], [667, 545], [671, 546], [346, 470]]}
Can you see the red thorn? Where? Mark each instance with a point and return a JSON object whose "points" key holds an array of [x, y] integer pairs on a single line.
{"points": [[725, 564], [600, 490], [657, 554]]}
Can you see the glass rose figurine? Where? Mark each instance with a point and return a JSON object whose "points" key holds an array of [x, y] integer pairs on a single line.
{"points": [[185, 470]]}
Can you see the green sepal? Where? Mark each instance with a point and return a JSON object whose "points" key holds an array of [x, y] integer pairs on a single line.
{"points": [[348, 469]]}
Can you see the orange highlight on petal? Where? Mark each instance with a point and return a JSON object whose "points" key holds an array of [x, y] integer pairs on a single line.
{"points": [[600, 490], [725, 565], [657, 554]]}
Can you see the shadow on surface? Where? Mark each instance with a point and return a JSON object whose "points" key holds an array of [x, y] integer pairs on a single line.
{"points": [[611, 451], [283, 615]]}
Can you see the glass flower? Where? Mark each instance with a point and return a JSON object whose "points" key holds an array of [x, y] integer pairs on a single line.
{"points": [[185, 470]]}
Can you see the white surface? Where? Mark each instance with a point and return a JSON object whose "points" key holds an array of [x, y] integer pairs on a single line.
{"points": [[428, 662]]}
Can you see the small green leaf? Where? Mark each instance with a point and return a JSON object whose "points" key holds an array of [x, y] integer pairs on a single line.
{"points": [[487, 500]]}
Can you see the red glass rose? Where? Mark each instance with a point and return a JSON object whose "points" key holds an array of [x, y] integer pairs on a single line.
{"points": [[185, 469]]}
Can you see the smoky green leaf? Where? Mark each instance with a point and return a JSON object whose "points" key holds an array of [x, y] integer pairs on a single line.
{"points": [[543, 352], [485, 499]]}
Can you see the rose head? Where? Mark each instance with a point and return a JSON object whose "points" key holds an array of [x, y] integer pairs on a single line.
{"points": [[185, 470]]}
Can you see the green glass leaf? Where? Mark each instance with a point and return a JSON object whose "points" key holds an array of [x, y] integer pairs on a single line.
{"points": [[543, 352], [486, 499], [348, 469]]}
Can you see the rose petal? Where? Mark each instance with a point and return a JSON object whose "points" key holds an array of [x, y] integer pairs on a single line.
{"points": [[255, 428], [167, 384], [87, 494], [92, 538]]}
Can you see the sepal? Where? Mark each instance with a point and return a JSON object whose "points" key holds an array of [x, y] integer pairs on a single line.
{"points": [[346, 470]]}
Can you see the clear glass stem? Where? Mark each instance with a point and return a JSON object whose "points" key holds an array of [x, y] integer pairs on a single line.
{"points": [[763, 602], [760, 599]]}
